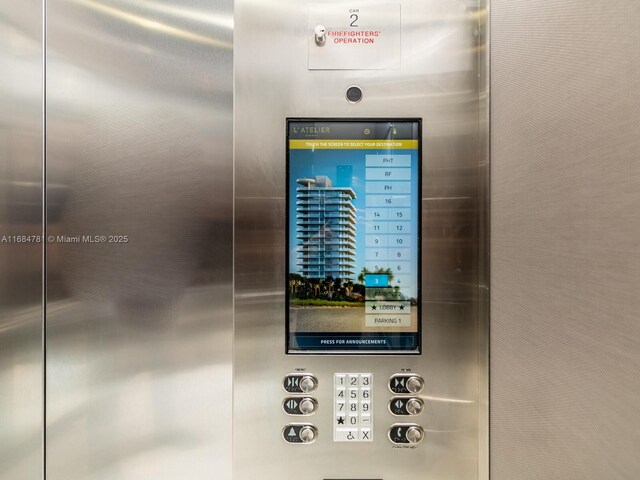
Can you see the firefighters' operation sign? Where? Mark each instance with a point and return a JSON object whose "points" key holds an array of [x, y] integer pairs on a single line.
{"points": [[354, 37]]}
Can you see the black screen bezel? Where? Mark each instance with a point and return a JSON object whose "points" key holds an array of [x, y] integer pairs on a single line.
{"points": [[351, 351]]}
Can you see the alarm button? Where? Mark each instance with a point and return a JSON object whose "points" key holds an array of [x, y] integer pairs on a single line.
{"points": [[300, 433], [308, 434]]}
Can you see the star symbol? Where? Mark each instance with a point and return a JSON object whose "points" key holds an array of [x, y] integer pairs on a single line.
{"points": [[373, 307], [340, 421], [401, 307]]}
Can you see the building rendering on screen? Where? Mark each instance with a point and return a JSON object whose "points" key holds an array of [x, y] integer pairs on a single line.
{"points": [[326, 229]]}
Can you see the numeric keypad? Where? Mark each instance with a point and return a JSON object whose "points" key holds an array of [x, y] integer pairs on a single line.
{"points": [[353, 412]]}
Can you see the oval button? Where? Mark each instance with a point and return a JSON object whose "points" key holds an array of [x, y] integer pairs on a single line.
{"points": [[300, 433], [300, 383], [299, 406]]}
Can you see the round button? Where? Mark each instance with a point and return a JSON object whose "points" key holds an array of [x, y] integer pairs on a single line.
{"points": [[415, 384], [354, 94], [308, 384], [414, 406], [307, 434], [414, 435], [307, 406]]}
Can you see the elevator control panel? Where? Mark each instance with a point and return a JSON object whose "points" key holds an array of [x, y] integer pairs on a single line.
{"points": [[360, 288], [353, 408], [353, 277]]}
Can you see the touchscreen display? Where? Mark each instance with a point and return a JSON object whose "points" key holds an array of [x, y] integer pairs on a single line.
{"points": [[353, 220]]}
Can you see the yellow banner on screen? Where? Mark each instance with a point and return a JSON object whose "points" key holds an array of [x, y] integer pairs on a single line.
{"points": [[357, 144]]}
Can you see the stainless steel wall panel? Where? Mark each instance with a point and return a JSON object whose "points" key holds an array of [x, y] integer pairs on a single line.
{"points": [[139, 128], [21, 213], [439, 81], [565, 335]]}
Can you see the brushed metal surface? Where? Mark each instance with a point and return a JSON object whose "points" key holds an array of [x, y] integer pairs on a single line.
{"points": [[565, 334], [21, 393], [441, 81], [139, 126]]}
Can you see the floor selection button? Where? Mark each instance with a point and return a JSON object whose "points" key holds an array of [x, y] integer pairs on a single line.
{"points": [[300, 433], [406, 434], [299, 406]]}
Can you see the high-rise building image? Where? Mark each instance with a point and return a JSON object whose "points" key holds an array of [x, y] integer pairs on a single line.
{"points": [[326, 229]]}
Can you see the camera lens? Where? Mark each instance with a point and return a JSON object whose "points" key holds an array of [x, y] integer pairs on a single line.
{"points": [[354, 94]]}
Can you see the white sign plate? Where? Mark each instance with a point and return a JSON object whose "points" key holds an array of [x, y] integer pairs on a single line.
{"points": [[357, 37]]}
